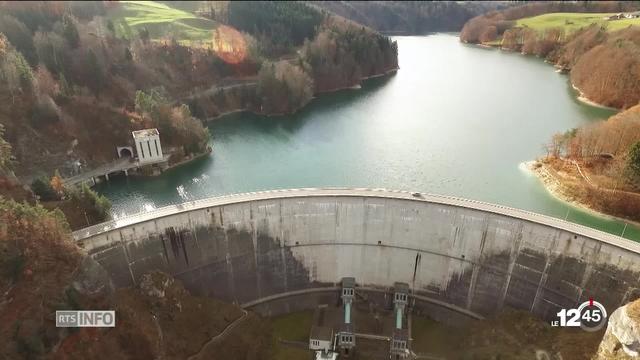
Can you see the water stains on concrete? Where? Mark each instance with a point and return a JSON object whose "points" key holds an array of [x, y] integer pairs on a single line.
{"points": [[479, 261]]}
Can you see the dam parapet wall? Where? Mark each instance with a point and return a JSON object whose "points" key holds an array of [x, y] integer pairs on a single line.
{"points": [[459, 255]]}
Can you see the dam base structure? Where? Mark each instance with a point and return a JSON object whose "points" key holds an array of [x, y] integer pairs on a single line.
{"points": [[281, 251]]}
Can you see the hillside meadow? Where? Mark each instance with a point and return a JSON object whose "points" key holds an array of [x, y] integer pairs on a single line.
{"points": [[570, 22]]}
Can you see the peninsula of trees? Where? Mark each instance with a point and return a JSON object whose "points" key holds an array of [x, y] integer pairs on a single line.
{"points": [[598, 165]]}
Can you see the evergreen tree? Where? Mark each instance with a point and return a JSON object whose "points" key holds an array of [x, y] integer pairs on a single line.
{"points": [[65, 89], [125, 30], [95, 72], [20, 37], [5, 152], [144, 35], [70, 30], [42, 187], [128, 56], [281, 23], [53, 51], [15, 71], [634, 159], [96, 206], [111, 27]]}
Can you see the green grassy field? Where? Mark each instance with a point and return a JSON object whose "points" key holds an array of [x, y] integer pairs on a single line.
{"points": [[161, 20], [432, 337], [574, 21], [294, 327]]}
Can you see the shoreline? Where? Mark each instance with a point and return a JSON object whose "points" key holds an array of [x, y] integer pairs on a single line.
{"points": [[555, 187], [390, 71], [212, 118], [581, 97], [357, 86], [137, 174], [347, 87], [186, 161]]}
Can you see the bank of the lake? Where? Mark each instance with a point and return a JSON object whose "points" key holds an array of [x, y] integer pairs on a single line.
{"points": [[355, 86], [582, 97], [579, 93], [567, 188], [558, 186], [457, 120]]}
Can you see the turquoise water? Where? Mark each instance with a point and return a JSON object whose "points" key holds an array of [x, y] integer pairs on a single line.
{"points": [[455, 120]]}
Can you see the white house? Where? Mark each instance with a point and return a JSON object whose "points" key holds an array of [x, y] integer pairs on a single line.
{"points": [[148, 146], [321, 338]]}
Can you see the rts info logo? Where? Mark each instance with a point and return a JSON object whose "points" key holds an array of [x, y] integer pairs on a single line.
{"points": [[91, 318]]}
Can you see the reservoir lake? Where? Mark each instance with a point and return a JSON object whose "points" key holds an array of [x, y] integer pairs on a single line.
{"points": [[456, 120]]}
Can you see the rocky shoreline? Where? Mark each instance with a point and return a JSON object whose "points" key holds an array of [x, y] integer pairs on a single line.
{"points": [[582, 98], [558, 190]]}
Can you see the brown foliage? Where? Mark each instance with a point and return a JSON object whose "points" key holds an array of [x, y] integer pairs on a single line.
{"points": [[89, 89], [538, 44], [42, 237], [283, 87], [490, 33], [474, 28], [3, 45], [342, 54], [46, 84], [57, 184], [602, 148], [614, 136], [605, 66], [37, 258], [578, 43], [615, 203], [529, 41], [550, 41], [609, 73], [512, 39], [160, 319]]}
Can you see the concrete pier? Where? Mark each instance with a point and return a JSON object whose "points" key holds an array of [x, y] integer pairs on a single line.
{"points": [[123, 165], [461, 258]]}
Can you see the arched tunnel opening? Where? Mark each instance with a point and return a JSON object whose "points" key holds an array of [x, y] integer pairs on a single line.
{"points": [[125, 153]]}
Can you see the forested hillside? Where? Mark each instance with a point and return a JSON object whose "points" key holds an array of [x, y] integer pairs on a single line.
{"points": [[42, 270], [604, 64], [278, 26], [410, 17], [302, 51], [78, 77], [488, 27], [597, 165], [70, 86]]}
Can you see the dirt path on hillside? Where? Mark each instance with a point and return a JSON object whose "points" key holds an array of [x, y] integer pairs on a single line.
{"points": [[220, 336]]}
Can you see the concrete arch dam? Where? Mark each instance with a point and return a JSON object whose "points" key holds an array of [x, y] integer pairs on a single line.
{"points": [[459, 257]]}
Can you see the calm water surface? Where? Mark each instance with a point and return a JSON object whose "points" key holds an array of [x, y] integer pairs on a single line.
{"points": [[455, 120]]}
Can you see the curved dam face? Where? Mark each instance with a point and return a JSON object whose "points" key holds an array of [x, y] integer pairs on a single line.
{"points": [[458, 256]]}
